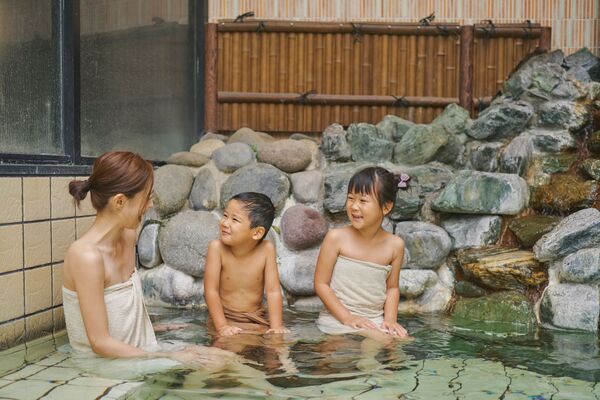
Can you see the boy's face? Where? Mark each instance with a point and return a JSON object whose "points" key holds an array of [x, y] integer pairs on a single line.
{"points": [[235, 225]]}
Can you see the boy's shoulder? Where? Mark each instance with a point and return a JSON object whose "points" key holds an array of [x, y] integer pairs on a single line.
{"points": [[215, 245], [266, 246]]}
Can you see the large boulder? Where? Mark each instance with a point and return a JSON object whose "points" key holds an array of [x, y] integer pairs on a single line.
{"points": [[427, 244], [472, 192], [454, 120], [394, 127], [306, 186], [414, 282], [575, 232], [499, 313], [436, 296], [563, 114], [501, 120], [334, 144], [297, 270], [232, 157], [188, 158], [212, 135], [429, 178], [454, 152], [564, 193], [248, 136], [164, 285], [206, 147], [185, 238], [420, 145], [483, 156], [286, 154], [550, 81], [531, 228], [521, 79], [302, 227], [591, 168], [586, 60], [336, 182], [571, 306], [172, 185], [473, 231], [502, 268], [147, 245], [407, 204], [368, 143], [515, 157], [204, 194], [257, 177], [316, 157], [468, 289], [582, 267], [552, 141]]}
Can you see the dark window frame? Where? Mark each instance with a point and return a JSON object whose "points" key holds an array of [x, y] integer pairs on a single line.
{"points": [[66, 107]]}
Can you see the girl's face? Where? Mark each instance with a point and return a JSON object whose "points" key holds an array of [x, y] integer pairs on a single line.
{"points": [[363, 210]]}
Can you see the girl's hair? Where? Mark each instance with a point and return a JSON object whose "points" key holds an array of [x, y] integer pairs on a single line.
{"points": [[113, 173], [378, 182]]}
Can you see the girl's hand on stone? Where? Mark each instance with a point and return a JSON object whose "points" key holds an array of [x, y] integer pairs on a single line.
{"points": [[228, 330], [282, 329], [394, 329], [357, 322]]}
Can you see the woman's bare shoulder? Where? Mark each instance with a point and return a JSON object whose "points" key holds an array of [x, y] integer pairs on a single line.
{"points": [[83, 252]]}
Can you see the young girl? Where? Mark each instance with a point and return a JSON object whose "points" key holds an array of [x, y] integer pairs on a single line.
{"points": [[358, 267]]}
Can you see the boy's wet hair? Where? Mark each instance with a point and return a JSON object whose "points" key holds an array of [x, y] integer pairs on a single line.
{"points": [[378, 182], [260, 209]]}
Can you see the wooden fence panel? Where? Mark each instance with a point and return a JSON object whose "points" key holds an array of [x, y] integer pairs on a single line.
{"points": [[295, 77]]}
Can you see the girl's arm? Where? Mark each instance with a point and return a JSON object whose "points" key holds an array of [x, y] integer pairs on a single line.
{"points": [[88, 279], [212, 276], [273, 291], [392, 298]]}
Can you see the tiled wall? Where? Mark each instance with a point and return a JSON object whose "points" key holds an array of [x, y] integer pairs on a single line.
{"points": [[575, 23], [38, 222]]}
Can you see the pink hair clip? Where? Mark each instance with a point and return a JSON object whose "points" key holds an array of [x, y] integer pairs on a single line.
{"points": [[403, 183]]}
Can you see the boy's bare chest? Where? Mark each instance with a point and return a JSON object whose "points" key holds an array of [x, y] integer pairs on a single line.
{"points": [[248, 270]]}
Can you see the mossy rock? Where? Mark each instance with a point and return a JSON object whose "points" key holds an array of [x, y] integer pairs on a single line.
{"points": [[564, 193], [531, 228]]}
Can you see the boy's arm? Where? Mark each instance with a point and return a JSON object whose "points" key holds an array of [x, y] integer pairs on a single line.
{"points": [[212, 276], [273, 288]]}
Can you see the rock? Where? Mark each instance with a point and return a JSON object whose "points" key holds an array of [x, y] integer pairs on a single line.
{"points": [[501, 120], [502, 268], [575, 232], [394, 127], [591, 168], [308, 304], [368, 143], [454, 152], [593, 143], [185, 238], [172, 185], [204, 194], [483, 156], [407, 204], [500, 313], [307, 185], [413, 282], [552, 141], [211, 135], [248, 136], [232, 157], [257, 177], [429, 178], [419, 145], [468, 289], [515, 157], [593, 89], [266, 137], [427, 244], [287, 155], [472, 192], [316, 157], [552, 164], [336, 182], [454, 120], [147, 245], [334, 144], [571, 306], [302, 227], [531, 228], [549, 81], [521, 78], [564, 193], [188, 159], [435, 298], [585, 59], [582, 267], [578, 73], [207, 147], [297, 270], [472, 231], [563, 114], [164, 285], [302, 136]]}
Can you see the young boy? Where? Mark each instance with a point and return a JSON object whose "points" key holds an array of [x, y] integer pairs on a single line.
{"points": [[240, 267]]}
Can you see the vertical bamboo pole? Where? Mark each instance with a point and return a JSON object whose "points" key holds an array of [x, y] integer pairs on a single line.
{"points": [[210, 80], [465, 94], [347, 76], [283, 78], [420, 75], [319, 72], [546, 38], [300, 81], [261, 82], [385, 76], [337, 68]]}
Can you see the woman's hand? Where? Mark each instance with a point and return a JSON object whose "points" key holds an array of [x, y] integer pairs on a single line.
{"points": [[281, 329], [206, 357], [357, 322], [394, 329], [228, 330]]}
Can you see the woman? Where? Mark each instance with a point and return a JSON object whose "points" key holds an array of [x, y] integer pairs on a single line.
{"points": [[102, 295]]}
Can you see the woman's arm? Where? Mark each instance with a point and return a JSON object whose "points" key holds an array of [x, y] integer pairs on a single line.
{"points": [[273, 290], [88, 279]]}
